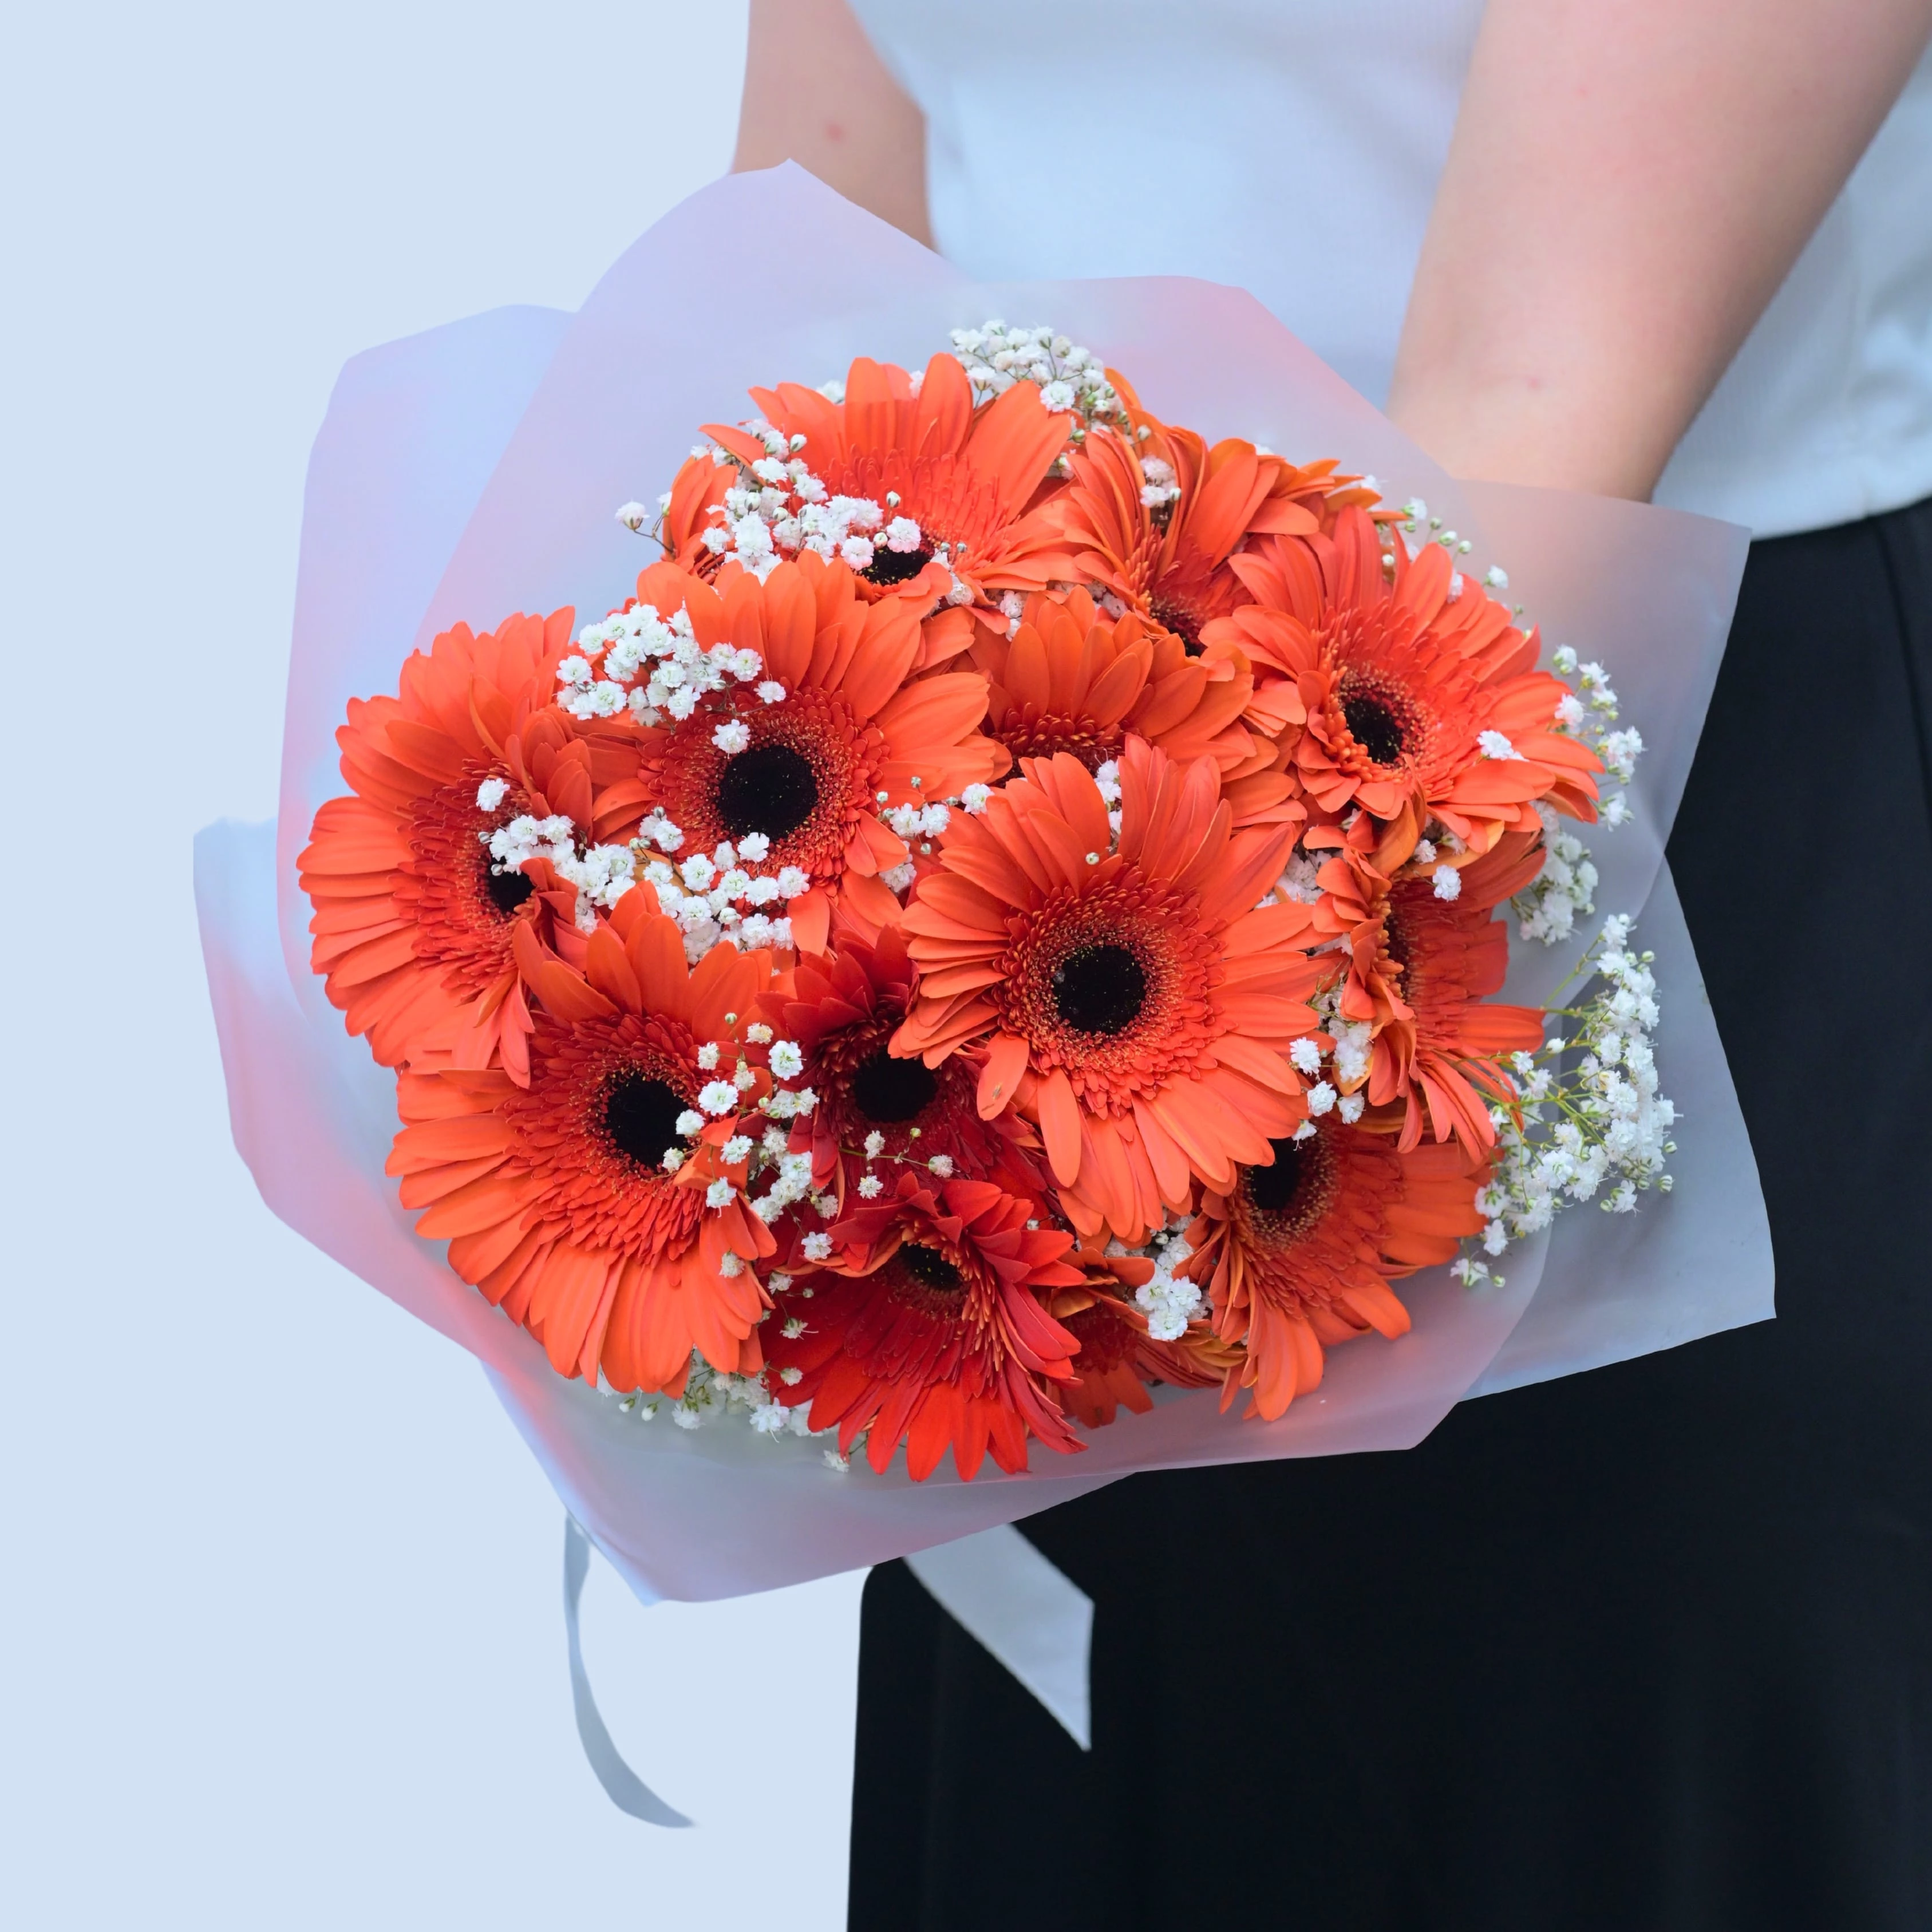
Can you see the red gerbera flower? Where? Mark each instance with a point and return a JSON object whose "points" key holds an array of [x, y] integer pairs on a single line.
{"points": [[1297, 1255], [555, 1199], [1420, 967], [842, 1011], [1420, 700], [413, 923], [1130, 997], [929, 1328]]}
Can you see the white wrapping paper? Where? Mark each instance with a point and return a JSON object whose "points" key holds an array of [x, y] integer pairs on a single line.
{"points": [[473, 471]]}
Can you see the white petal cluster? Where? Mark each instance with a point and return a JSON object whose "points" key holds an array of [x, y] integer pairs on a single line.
{"points": [[602, 873], [778, 509], [918, 821], [1547, 907], [1160, 487], [1620, 751], [1592, 1118], [1588, 714], [711, 1395], [715, 896], [525, 838], [1170, 1301], [789, 1104], [1353, 1039], [652, 666], [1297, 883], [1069, 378]]}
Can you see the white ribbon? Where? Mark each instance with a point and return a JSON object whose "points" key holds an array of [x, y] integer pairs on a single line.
{"points": [[621, 1785], [1031, 1615]]}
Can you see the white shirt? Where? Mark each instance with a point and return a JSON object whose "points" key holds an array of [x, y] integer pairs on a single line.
{"points": [[1292, 147]]}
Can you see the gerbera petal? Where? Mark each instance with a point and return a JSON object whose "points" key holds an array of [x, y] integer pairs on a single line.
{"points": [[609, 970], [1188, 1113], [811, 920], [1060, 1126], [999, 1078]]}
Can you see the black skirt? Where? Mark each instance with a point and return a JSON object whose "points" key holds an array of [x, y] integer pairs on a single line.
{"points": [[1648, 1648]]}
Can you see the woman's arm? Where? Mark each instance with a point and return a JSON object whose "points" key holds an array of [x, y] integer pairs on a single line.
{"points": [[817, 94], [1626, 188]]}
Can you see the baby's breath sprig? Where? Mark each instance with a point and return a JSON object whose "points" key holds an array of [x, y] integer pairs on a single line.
{"points": [[1170, 1299], [1069, 379], [1588, 1113], [710, 1395], [1547, 908], [941, 1166]]}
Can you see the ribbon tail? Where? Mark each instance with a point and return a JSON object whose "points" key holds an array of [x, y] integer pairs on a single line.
{"points": [[621, 1785]]}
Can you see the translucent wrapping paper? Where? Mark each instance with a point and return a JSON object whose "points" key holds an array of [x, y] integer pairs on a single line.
{"points": [[473, 471]]}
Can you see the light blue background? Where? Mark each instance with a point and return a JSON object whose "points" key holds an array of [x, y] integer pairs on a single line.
{"points": [[280, 1641]]}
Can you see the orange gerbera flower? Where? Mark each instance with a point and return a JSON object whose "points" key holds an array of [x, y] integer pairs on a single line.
{"points": [[413, 923], [930, 1328], [1118, 1358], [841, 1011], [950, 477], [556, 1199], [1298, 1254], [848, 736], [1069, 678], [1421, 700], [1129, 998], [1420, 967], [1156, 517]]}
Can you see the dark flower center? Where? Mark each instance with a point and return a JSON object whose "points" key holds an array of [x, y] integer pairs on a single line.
{"points": [[1105, 1340], [1182, 622], [895, 566], [771, 789], [1100, 989], [641, 1116], [1395, 939], [506, 891], [930, 1268], [1374, 726], [885, 1090], [1273, 1189]]}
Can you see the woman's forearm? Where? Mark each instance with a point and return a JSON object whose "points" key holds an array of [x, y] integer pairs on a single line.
{"points": [[817, 93], [1628, 186]]}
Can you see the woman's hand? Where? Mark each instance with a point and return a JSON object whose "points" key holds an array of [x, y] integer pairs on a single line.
{"points": [[816, 93], [1628, 186]]}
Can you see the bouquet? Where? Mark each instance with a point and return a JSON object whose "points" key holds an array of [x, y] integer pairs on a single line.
{"points": [[1037, 935]]}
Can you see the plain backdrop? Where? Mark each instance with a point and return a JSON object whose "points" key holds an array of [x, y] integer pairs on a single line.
{"points": [[281, 1640]]}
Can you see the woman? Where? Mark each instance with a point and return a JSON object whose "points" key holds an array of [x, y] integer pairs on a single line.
{"points": [[1650, 1647]]}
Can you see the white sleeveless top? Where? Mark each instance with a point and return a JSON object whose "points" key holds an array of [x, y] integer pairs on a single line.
{"points": [[1292, 147]]}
